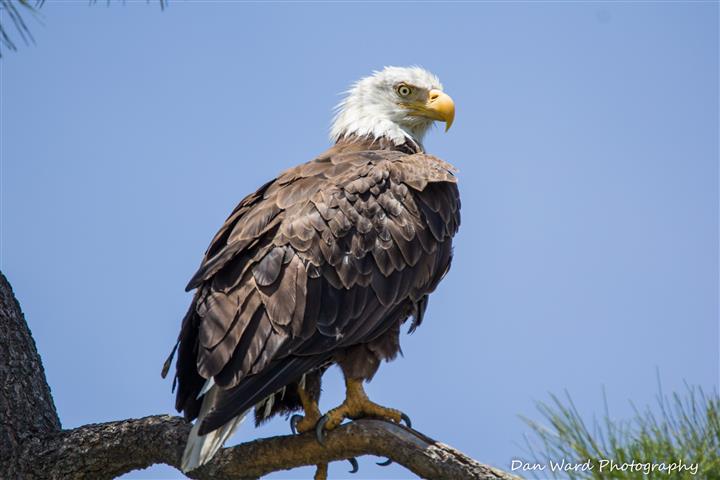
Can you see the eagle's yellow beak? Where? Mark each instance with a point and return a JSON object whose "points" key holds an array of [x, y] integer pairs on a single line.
{"points": [[440, 107]]}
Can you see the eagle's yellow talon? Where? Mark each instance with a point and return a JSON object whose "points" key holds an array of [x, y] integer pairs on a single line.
{"points": [[356, 405], [302, 424]]}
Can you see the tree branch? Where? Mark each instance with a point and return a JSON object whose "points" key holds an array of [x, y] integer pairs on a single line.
{"points": [[106, 450], [33, 446], [26, 405]]}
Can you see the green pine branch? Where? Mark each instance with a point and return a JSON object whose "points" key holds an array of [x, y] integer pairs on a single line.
{"points": [[13, 24], [683, 428]]}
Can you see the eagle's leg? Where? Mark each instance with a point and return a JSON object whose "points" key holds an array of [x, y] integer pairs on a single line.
{"points": [[302, 424], [357, 405]]}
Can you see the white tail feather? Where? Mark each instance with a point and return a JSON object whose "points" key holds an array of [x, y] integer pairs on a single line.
{"points": [[208, 385], [201, 448]]}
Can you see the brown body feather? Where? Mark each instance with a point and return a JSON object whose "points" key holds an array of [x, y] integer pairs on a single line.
{"points": [[320, 265]]}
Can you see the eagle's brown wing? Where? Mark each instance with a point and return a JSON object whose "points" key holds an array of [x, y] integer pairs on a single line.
{"points": [[332, 253]]}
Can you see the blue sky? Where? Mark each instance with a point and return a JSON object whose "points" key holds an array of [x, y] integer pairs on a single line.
{"points": [[586, 137]]}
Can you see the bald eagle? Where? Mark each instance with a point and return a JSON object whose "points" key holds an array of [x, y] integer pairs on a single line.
{"points": [[321, 266]]}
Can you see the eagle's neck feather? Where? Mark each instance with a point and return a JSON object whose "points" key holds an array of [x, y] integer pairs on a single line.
{"points": [[356, 143], [368, 115]]}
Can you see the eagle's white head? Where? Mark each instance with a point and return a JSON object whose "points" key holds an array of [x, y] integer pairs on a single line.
{"points": [[396, 103]]}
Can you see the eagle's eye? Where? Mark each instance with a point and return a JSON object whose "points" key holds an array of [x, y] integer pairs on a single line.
{"points": [[403, 90]]}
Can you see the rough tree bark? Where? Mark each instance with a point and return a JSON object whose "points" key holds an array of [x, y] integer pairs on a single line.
{"points": [[33, 444]]}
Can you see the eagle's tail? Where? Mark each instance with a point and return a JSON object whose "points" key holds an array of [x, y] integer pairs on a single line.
{"points": [[222, 410], [201, 448], [237, 400]]}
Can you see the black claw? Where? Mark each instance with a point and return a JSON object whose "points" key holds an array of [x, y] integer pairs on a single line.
{"points": [[294, 420], [319, 429], [406, 419], [355, 467], [385, 463]]}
